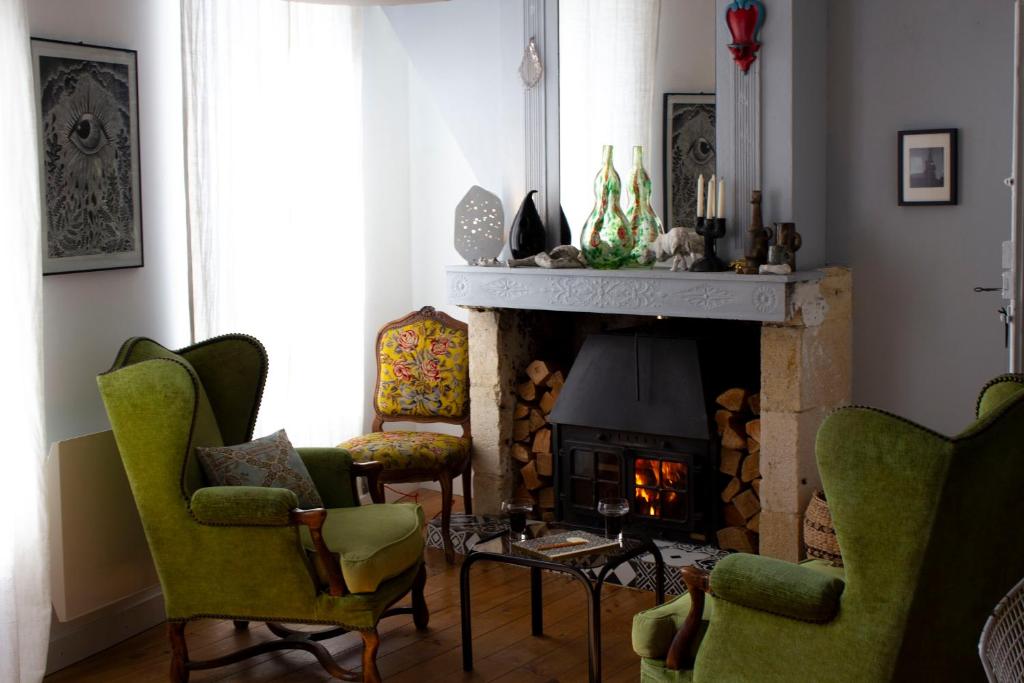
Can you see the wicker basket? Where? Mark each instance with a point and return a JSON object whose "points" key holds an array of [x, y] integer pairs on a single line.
{"points": [[820, 533]]}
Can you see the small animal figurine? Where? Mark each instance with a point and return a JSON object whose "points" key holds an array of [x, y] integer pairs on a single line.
{"points": [[676, 244]]}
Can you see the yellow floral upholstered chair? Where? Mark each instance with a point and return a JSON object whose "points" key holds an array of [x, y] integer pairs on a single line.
{"points": [[422, 376]]}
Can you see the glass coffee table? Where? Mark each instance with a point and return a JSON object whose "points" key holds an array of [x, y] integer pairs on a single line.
{"points": [[501, 548]]}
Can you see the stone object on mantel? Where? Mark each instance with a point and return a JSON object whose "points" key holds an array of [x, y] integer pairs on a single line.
{"points": [[780, 269], [565, 256], [725, 296]]}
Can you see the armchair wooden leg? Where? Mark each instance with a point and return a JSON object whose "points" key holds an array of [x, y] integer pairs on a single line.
{"points": [[420, 613], [467, 487], [445, 478], [179, 651], [241, 625], [371, 641]]}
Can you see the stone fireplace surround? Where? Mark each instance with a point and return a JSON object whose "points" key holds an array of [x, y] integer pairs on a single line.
{"points": [[805, 346]]}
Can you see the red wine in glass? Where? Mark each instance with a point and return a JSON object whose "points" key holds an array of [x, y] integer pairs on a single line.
{"points": [[517, 509]]}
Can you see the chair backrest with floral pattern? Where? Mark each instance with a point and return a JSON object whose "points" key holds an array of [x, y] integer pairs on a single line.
{"points": [[423, 370]]}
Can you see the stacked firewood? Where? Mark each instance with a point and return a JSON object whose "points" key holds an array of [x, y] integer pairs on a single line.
{"points": [[536, 394], [739, 426]]}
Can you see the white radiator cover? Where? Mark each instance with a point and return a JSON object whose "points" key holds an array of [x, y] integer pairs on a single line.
{"points": [[98, 551]]}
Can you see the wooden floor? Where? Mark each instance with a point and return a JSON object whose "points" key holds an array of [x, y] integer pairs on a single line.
{"points": [[503, 648]]}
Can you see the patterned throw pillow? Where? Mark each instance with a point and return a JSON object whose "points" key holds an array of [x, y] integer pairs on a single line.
{"points": [[270, 461]]}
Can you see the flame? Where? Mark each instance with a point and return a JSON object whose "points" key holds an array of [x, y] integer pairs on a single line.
{"points": [[674, 474], [645, 500]]}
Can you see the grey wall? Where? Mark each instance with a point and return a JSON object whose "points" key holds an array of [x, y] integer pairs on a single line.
{"points": [[923, 341]]}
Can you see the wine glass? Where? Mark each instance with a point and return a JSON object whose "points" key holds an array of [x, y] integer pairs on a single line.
{"points": [[517, 509], [614, 510]]}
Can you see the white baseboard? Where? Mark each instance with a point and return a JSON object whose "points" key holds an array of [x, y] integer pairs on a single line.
{"points": [[75, 640]]}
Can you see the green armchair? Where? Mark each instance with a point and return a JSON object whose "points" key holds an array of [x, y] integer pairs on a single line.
{"points": [[248, 553], [928, 529]]}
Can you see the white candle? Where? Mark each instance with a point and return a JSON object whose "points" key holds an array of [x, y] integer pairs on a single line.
{"points": [[700, 196], [721, 199], [711, 197]]}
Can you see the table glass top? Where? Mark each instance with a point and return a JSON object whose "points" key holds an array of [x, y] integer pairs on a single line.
{"points": [[504, 543]]}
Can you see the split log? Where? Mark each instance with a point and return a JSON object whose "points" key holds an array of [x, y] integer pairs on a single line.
{"points": [[522, 410], [723, 418], [754, 429], [747, 503], [538, 372], [520, 430], [732, 515], [734, 438], [520, 453], [729, 462], [547, 516], [546, 497], [754, 404], [536, 420], [545, 464], [753, 446], [754, 523], [751, 469], [556, 380], [530, 477], [737, 538], [730, 491], [756, 485], [547, 402], [542, 441], [522, 492], [527, 390], [733, 399]]}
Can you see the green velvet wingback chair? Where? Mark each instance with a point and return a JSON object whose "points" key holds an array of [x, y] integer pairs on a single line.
{"points": [[247, 553], [929, 530]]}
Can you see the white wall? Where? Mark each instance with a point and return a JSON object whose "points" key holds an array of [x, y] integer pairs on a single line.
{"points": [[924, 342], [88, 315]]}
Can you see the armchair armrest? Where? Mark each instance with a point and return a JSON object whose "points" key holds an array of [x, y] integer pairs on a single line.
{"points": [[761, 583], [783, 588], [243, 506], [263, 506], [334, 473]]}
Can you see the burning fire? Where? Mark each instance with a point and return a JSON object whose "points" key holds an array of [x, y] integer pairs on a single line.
{"points": [[653, 475]]}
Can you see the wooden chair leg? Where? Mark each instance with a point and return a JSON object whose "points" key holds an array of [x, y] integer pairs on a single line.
{"points": [[420, 612], [445, 478], [371, 641], [241, 625], [467, 487], [179, 651]]}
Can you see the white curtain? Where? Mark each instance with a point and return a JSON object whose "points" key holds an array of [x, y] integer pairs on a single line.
{"points": [[275, 201], [24, 577], [606, 58]]}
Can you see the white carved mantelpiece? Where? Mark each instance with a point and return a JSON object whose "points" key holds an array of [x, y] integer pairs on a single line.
{"points": [[724, 296], [805, 360]]}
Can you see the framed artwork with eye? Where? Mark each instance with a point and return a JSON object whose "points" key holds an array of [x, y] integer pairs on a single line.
{"points": [[88, 115], [689, 145]]}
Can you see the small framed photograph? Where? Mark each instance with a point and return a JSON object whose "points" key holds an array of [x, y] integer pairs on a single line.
{"points": [[88, 113], [688, 138], [928, 167]]}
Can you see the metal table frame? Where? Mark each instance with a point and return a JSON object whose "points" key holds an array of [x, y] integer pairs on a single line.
{"points": [[593, 588]]}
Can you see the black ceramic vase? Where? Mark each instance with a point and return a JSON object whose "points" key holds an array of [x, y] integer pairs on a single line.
{"points": [[566, 236], [526, 237]]}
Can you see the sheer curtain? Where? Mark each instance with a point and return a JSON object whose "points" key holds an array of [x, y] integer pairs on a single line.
{"points": [[275, 201], [606, 57], [24, 577]]}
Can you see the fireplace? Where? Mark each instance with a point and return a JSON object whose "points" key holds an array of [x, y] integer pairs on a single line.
{"points": [[632, 422]]}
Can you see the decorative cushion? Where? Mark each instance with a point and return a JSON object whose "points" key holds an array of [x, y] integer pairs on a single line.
{"points": [[269, 461], [424, 371], [770, 585], [372, 542], [408, 450]]}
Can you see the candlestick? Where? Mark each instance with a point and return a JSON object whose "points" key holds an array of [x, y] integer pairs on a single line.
{"points": [[711, 197], [700, 196], [710, 229], [720, 213]]}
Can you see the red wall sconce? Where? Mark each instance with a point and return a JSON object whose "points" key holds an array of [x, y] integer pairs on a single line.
{"points": [[745, 19]]}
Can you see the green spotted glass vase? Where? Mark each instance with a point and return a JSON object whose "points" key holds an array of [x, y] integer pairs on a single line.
{"points": [[606, 241], [643, 222]]}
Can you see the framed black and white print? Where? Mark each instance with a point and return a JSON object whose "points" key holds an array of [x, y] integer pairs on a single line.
{"points": [[87, 104], [928, 167], [688, 138]]}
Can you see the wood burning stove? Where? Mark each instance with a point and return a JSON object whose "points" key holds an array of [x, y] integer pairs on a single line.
{"points": [[631, 422]]}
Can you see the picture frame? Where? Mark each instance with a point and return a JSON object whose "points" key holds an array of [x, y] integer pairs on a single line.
{"points": [[689, 150], [928, 167], [90, 180]]}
